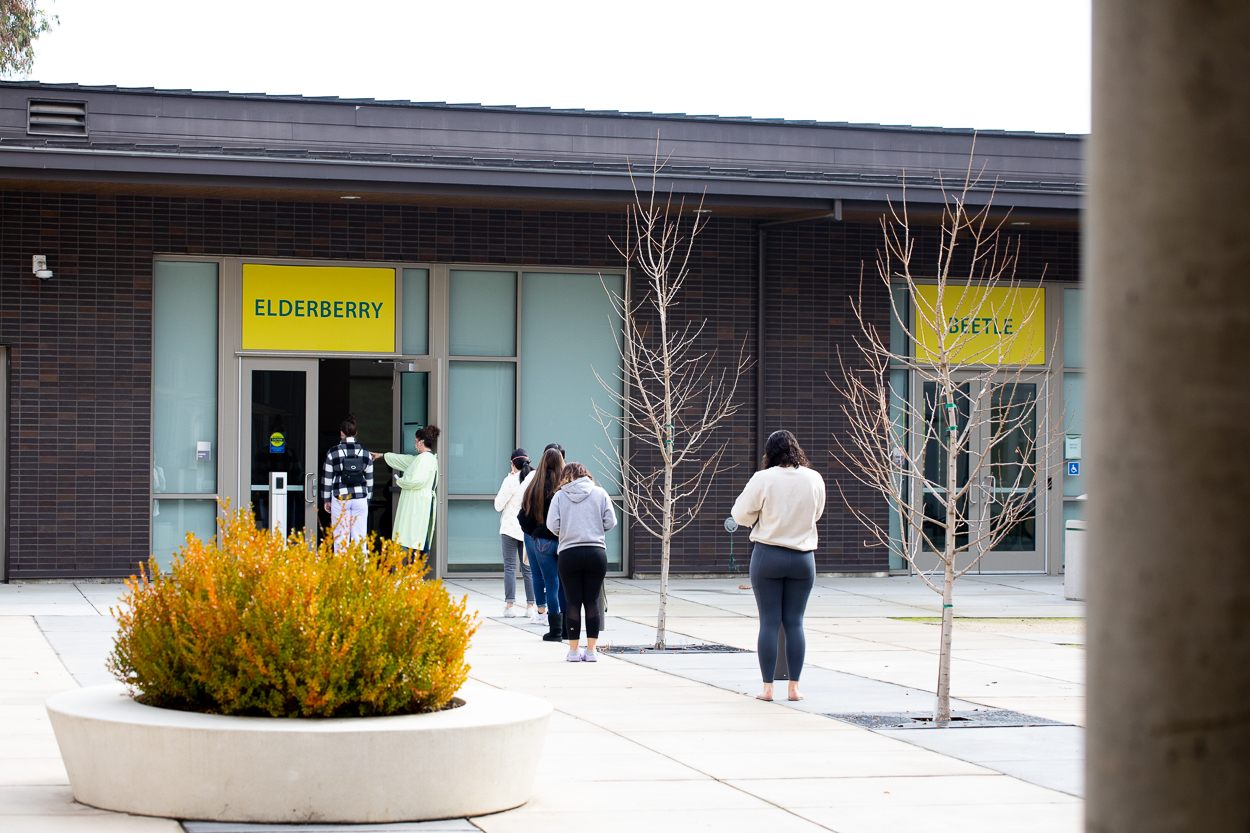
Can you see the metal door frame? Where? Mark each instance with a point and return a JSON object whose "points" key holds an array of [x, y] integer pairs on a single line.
{"points": [[312, 466], [976, 450]]}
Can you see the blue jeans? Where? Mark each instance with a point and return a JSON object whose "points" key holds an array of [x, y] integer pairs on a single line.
{"points": [[540, 586], [542, 553]]}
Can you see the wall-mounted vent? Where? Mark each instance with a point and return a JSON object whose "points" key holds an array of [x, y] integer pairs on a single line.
{"points": [[56, 118]]}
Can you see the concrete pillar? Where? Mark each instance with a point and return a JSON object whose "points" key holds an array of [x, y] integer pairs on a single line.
{"points": [[1168, 263]]}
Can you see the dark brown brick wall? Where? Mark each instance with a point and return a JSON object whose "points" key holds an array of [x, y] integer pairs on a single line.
{"points": [[81, 343], [720, 288]]}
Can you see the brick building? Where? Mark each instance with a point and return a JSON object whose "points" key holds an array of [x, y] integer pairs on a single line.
{"points": [[149, 373]]}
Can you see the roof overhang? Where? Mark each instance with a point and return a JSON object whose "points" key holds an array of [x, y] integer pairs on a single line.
{"points": [[238, 174]]}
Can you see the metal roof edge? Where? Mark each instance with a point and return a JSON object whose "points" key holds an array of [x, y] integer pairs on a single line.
{"points": [[513, 109], [387, 161]]}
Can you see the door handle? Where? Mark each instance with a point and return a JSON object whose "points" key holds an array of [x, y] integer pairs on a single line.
{"points": [[988, 483], [310, 490]]}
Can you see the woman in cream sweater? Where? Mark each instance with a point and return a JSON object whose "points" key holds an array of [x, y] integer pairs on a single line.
{"points": [[782, 501]]}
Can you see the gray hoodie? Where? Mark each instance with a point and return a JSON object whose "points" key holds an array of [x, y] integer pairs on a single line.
{"points": [[580, 514]]}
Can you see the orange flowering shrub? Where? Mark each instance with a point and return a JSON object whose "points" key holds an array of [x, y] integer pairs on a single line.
{"points": [[254, 624]]}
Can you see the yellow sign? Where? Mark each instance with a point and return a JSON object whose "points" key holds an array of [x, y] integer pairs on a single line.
{"points": [[332, 309], [978, 326], [277, 442]]}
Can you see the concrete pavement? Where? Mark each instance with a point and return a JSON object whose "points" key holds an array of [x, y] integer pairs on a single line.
{"points": [[669, 741]]}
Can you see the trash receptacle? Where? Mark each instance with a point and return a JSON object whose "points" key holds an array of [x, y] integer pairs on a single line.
{"points": [[1074, 560]]}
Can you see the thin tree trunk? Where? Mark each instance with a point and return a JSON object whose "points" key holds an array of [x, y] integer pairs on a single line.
{"points": [[662, 618], [942, 708], [666, 524], [666, 541]]}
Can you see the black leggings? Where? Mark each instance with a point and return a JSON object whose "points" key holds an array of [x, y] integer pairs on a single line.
{"points": [[582, 570], [782, 579]]}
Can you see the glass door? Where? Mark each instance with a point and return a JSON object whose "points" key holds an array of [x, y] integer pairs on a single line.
{"points": [[279, 414], [1000, 459], [1008, 477]]}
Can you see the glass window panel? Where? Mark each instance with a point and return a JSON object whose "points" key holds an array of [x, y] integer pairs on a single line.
{"points": [[173, 519], [1073, 328], [414, 408], [279, 409], [613, 539], [473, 543], [559, 389], [481, 425], [1013, 463], [416, 318], [184, 370], [1073, 426], [482, 314], [935, 464], [898, 337]]}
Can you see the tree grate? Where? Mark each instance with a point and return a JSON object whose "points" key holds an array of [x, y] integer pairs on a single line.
{"points": [[676, 649], [975, 719]]}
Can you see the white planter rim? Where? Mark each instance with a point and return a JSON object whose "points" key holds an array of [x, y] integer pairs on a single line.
{"points": [[126, 756]]}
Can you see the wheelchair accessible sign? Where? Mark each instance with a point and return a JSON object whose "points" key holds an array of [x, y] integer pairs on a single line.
{"points": [[325, 309]]}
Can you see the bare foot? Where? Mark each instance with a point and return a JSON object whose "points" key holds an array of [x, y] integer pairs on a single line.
{"points": [[794, 690], [767, 693]]}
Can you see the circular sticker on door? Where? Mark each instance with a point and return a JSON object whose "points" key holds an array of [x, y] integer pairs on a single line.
{"points": [[277, 442]]}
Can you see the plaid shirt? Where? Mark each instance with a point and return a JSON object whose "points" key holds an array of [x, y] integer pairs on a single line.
{"points": [[332, 472]]}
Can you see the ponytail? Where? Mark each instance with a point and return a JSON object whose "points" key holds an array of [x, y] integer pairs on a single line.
{"points": [[521, 460]]}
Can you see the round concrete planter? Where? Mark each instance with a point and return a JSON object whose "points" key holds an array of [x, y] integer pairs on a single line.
{"points": [[124, 756]]}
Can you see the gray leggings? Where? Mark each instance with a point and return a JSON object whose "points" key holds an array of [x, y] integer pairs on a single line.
{"points": [[782, 579], [512, 549]]}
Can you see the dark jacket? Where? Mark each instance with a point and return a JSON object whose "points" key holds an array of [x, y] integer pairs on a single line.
{"points": [[532, 527]]}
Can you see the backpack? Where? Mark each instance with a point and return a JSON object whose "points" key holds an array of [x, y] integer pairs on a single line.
{"points": [[353, 470]]}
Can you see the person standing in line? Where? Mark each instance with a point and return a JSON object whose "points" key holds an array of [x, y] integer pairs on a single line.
{"points": [[533, 517], [418, 475], [581, 514], [540, 585], [347, 485], [508, 504], [783, 501]]}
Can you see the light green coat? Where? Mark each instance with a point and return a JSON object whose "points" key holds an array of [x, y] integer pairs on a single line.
{"points": [[414, 517]]}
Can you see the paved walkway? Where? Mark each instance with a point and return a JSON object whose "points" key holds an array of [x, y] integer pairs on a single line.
{"points": [[669, 741]]}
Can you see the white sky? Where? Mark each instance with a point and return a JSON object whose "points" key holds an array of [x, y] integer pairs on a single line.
{"points": [[987, 64]]}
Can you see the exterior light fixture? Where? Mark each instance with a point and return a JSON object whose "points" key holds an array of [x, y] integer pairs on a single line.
{"points": [[1019, 224], [703, 211], [349, 198], [39, 265]]}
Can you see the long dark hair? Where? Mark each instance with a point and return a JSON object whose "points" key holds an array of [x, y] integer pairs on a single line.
{"points": [[782, 449], [521, 459], [546, 481], [348, 426]]}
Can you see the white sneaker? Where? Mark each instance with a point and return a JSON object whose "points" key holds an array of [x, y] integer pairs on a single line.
{"points": [[530, 612], [537, 618], [574, 656], [510, 612], [589, 655]]}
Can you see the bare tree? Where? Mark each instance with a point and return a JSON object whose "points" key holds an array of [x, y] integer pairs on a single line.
{"points": [[670, 396], [979, 434]]}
